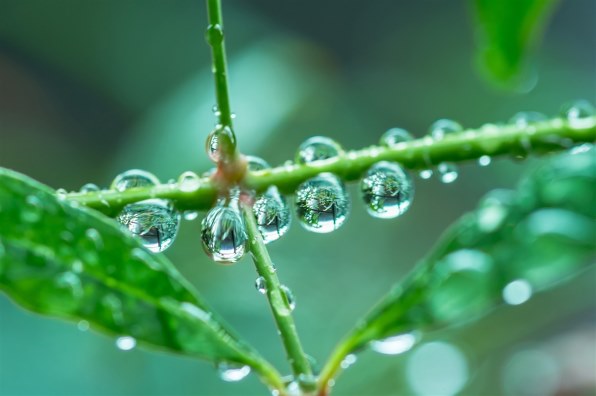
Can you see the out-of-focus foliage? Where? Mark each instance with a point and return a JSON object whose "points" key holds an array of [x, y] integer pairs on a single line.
{"points": [[69, 262], [509, 31]]}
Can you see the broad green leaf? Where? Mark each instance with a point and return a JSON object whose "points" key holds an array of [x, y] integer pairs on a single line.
{"points": [[514, 244], [70, 262], [509, 29]]}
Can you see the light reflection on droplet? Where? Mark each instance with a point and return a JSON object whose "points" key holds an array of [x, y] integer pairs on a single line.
{"points": [[395, 345], [232, 373], [126, 343], [517, 292]]}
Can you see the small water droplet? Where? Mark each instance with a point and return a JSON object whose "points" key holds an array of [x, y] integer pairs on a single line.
{"points": [[221, 142], [189, 182], [443, 127], [133, 178], [517, 292], [216, 111], [83, 325], [112, 304], [322, 203], [77, 266], [126, 343], [307, 381], [580, 114], [348, 361], [485, 160], [448, 172], [190, 215], [33, 211], [89, 187], [155, 221], [273, 214], [387, 190], [317, 148], [581, 148], [255, 164], [95, 237], [425, 174], [223, 233], [261, 285], [72, 282], [61, 193], [232, 372], [214, 34], [524, 119], [395, 345], [394, 136], [288, 297]]}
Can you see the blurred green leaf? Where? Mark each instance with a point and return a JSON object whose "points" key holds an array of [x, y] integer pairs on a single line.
{"points": [[71, 262], [514, 244], [509, 29]]}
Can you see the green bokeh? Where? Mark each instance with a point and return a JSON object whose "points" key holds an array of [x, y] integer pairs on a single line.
{"points": [[91, 88]]}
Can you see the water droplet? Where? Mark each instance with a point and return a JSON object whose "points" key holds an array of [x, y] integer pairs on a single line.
{"points": [[255, 164], [221, 142], [214, 34], [425, 174], [126, 343], [33, 211], [190, 215], [387, 190], [113, 306], [155, 221], [61, 193], [95, 238], [223, 234], [517, 292], [261, 285], [273, 214], [485, 160], [289, 299], [133, 178], [580, 114], [216, 111], [447, 172], [72, 282], [492, 210], [348, 361], [395, 345], [307, 381], [189, 182], [77, 266], [317, 148], [443, 127], [231, 372], [395, 136], [83, 325], [89, 187], [523, 119], [322, 203], [581, 148]]}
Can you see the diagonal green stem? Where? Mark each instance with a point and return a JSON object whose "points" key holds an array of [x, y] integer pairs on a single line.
{"points": [[215, 38], [508, 140], [277, 299]]}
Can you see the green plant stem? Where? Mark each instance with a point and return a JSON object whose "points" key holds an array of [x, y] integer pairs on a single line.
{"points": [[508, 140], [215, 38], [276, 298]]}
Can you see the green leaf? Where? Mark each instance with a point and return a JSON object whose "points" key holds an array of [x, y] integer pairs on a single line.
{"points": [[536, 236], [509, 29], [70, 262]]}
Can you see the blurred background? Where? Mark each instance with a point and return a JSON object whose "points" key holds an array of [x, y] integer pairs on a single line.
{"points": [[91, 88]]}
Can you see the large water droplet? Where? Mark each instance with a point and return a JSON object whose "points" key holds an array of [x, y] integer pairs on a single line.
{"points": [[189, 182], [396, 344], [580, 114], [289, 298], [261, 285], [221, 142], [387, 190], [394, 136], [322, 203], [443, 127], [214, 34], [273, 214], [317, 148], [132, 179], [89, 187], [448, 172], [232, 372], [126, 343], [223, 233], [155, 221]]}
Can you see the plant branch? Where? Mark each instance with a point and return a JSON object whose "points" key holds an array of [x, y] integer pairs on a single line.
{"points": [[215, 38], [508, 140], [276, 298]]}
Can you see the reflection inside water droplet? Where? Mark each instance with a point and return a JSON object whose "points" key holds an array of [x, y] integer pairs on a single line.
{"points": [[387, 190], [223, 233]]}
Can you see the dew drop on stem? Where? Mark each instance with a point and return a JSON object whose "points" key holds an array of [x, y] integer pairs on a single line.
{"points": [[223, 232], [580, 114], [189, 182], [394, 136], [387, 190], [261, 285], [220, 144], [448, 172], [89, 187], [317, 148], [444, 127]]}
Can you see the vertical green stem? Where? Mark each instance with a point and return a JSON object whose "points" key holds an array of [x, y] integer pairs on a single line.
{"points": [[215, 38], [277, 300]]}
